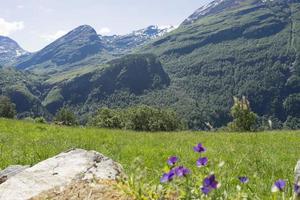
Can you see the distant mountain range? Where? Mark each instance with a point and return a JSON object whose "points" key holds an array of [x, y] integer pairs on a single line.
{"points": [[224, 49], [77, 45]]}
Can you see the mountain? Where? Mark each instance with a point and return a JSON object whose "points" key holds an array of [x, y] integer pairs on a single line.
{"points": [[83, 47], [10, 50], [75, 46], [218, 6], [232, 48], [125, 43], [228, 48]]}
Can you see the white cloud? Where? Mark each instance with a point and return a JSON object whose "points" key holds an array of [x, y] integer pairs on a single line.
{"points": [[104, 31], [6, 28], [20, 6], [53, 36], [45, 9]]}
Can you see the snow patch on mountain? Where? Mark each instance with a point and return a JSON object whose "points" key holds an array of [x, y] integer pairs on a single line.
{"points": [[10, 50], [204, 10], [123, 43], [153, 31], [218, 6]]}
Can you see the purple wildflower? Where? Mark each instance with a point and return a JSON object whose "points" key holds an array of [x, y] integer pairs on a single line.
{"points": [[244, 179], [297, 189], [172, 160], [199, 148], [209, 184], [278, 186], [205, 190], [202, 162], [181, 171], [167, 177]]}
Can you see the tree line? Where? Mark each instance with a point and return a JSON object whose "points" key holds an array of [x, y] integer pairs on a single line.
{"points": [[146, 118]]}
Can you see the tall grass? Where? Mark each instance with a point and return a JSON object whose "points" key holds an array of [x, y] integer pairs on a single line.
{"points": [[264, 156]]}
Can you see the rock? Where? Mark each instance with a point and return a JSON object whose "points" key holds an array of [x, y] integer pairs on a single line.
{"points": [[59, 172], [10, 172], [78, 190], [297, 179], [297, 172]]}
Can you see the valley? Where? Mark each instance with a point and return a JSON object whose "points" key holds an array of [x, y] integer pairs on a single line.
{"points": [[207, 109], [228, 48]]}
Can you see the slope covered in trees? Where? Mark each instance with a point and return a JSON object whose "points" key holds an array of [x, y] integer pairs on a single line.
{"points": [[230, 48], [251, 49], [24, 89]]}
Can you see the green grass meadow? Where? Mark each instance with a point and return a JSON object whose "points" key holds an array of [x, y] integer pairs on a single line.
{"points": [[264, 156]]}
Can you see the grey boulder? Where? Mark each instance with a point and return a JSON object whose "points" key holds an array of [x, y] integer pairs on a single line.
{"points": [[59, 171]]}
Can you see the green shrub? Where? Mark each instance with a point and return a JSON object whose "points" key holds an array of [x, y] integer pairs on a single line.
{"points": [[243, 118], [29, 119], [139, 118], [107, 118], [65, 116], [145, 118], [7, 108], [40, 120]]}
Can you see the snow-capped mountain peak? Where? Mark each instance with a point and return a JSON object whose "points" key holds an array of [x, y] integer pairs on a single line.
{"points": [[153, 31], [121, 43], [217, 6], [10, 50]]}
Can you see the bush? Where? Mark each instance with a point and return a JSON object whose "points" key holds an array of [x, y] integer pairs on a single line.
{"points": [[243, 118], [40, 120], [139, 118], [65, 116], [107, 118], [7, 108], [145, 118], [28, 119]]}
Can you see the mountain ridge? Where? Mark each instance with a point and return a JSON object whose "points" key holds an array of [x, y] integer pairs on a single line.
{"points": [[219, 6], [83, 46], [76, 45]]}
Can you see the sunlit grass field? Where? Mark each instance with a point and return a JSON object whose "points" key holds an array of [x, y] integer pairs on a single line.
{"points": [[263, 156]]}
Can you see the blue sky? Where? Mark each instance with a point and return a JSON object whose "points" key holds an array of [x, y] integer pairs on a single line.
{"points": [[36, 23]]}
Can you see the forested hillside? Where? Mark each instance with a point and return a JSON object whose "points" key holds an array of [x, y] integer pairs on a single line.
{"points": [[249, 49], [25, 90], [111, 85], [227, 48]]}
